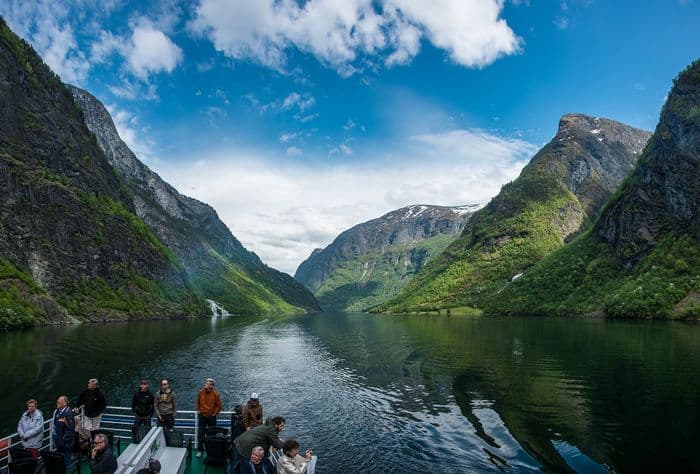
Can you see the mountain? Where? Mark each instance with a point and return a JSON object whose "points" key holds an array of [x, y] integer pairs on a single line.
{"points": [[72, 245], [642, 257], [557, 195], [369, 263], [213, 259]]}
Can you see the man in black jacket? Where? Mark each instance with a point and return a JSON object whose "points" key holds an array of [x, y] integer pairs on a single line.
{"points": [[94, 403], [142, 405], [102, 460]]}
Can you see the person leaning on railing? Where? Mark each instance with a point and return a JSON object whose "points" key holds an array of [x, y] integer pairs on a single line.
{"points": [[31, 428], [263, 435], [93, 401]]}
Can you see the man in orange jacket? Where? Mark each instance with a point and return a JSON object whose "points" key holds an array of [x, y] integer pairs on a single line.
{"points": [[208, 407]]}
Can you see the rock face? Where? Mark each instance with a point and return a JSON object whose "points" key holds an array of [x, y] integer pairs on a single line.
{"points": [[664, 192], [370, 262], [642, 258], [71, 243], [557, 195], [193, 230]]}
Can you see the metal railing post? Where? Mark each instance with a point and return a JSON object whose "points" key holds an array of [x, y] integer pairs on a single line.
{"points": [[196, 432]]}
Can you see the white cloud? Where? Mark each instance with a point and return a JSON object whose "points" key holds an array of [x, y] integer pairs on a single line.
{"points": [[44, 24], [147, 51], [293, 151], [152, 51], [296, 100], [304, 206], [339, 32]]}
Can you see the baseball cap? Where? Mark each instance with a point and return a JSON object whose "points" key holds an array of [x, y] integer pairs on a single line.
{"points": [[254, 396]]}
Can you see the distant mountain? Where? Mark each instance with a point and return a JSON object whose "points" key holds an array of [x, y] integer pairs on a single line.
{"points": [[642, 258], [371, 262], [72, 244], [214, 260], [557, 195]]}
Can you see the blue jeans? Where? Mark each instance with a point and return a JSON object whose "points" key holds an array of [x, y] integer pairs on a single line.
{"points": [[68, 459]]}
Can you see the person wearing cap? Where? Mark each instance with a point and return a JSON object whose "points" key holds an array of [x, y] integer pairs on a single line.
{"points": [[93, 402], [142, 405], [252, 412], [208, 407]]}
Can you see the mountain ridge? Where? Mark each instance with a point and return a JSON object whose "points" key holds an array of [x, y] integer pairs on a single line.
{"points": [[369, 262], [557, 195]]}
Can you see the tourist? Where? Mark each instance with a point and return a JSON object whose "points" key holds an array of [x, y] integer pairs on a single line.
{"points": [[291, 462], [237, 427], [257, 464], [93, 402], [30, 428], [263, 435], [152, 468], [165, 405], [208, 408], [253, 412], [142, 405], [64, 430], [102, 460]]}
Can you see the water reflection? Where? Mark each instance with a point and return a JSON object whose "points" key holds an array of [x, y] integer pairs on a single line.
{"points": [[405, 394]]}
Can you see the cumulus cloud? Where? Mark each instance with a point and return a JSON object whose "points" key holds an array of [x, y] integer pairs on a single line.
{"points": [[298, 207], [152, 51], [338, 33]]}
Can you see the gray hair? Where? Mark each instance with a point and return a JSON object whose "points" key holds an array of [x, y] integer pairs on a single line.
{"points": [[257, 449], [64, 398], [100, 437], [93, 381]]}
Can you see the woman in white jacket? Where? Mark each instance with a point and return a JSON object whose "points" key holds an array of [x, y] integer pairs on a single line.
{"points": [[31, 428], [291, 462]]}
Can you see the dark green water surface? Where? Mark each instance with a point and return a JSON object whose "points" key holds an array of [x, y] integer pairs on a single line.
{"points": [[405, 393]]}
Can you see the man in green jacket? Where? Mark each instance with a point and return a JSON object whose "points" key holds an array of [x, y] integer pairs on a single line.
{"points": [[263, 435]]}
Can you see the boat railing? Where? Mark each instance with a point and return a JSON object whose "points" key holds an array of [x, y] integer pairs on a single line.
{"points": [[120, 420]]}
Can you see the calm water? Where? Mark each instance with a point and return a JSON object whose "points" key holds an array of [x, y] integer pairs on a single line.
{"points": [[405, 394]]}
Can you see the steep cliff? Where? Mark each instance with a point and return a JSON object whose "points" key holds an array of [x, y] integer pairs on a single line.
{"points": [[70, 242], [642, 258], [369, 263], [89, 233], [214, 260], [557, 195]]}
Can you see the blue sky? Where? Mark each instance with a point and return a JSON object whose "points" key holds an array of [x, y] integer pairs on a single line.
{"points": [[297, 120]]}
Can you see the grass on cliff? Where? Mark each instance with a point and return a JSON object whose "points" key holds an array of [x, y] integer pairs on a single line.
{"points": [[375, 277], [522, 225], [16, 308], [585, 278]]}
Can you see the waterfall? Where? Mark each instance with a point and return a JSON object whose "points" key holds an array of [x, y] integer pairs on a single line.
{"points": [[217, 309]]}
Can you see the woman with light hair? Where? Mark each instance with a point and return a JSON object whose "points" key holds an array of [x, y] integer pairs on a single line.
{"points": [[31, 428]]}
